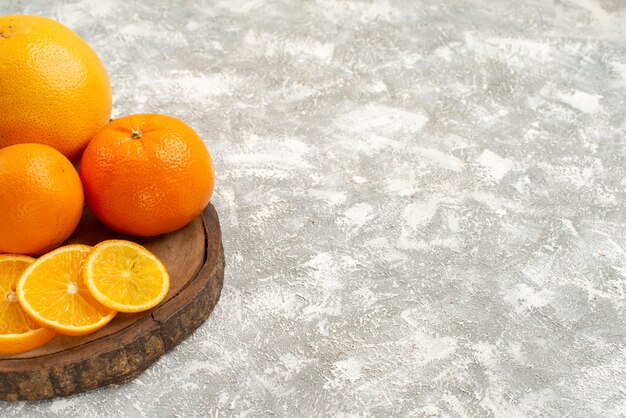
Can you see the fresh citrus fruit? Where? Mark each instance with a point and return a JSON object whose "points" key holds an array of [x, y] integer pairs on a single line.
{"points": [[18, 332], [54, 88], [52, 292], [41, 198], [146, 174], [125, 276]]}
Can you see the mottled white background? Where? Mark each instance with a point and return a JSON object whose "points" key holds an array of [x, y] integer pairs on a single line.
{"points": [[423, 203]]}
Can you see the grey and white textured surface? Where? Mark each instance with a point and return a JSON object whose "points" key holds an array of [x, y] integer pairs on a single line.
{"points": [[423, 203]]}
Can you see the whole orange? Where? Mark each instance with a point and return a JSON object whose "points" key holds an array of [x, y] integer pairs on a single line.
{"points": [[41, 199], [147, 174], [53, 88]]}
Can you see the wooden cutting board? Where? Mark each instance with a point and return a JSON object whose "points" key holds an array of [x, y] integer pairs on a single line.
{"points": [[124, 348]]}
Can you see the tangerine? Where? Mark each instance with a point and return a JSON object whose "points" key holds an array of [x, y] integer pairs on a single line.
{"points": [[41, 199], [147, 174]]}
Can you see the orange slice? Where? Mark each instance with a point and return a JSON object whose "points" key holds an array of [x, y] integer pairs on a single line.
{"points": [[18, 332], [52, 292], [125, 276]]}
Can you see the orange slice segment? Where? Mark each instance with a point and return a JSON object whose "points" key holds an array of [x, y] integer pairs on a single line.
{"points": [[125, 276], [18, 332], [52, 292]]}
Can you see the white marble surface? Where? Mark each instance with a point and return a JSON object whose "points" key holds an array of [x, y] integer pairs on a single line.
{"points": [[423, 203]]}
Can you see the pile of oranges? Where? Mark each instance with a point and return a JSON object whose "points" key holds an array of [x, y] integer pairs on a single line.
{"points": [[143, 175]]}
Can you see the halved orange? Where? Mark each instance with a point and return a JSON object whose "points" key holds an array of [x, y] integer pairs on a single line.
{"points": [[18, 332], [125, 276], [52, 292]]}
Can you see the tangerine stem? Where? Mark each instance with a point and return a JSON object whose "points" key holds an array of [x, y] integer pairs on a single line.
{"points": [[136, 134]]}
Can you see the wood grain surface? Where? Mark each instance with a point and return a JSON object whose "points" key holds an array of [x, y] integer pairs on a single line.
{"points": [[123, 349]]}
